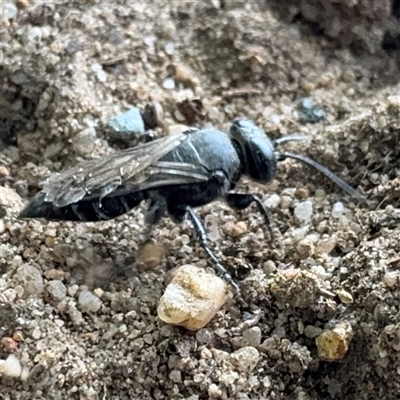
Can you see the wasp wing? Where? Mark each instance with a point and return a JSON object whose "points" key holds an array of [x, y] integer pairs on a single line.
{"points": [[100, 177]]}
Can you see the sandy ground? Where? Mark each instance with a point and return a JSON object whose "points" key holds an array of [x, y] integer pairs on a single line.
{"points": [[68, 66]]}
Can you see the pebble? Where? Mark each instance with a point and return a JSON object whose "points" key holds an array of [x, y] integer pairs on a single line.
{"points": [[333, 344], [89, 302], [245, 359], [169, 84], [85, 141], [12, 368], [151, 255], [10, 201], [54, 274], [192, 298], [2, 226], [8, 10], [31, 279], [204, 335], [305, 248], [337, 210], [237, 229], [391, 278], [302, 193], [153, 115], [312, 331], [304, 211], [252, 336], [345, 297], [127, 125], [309, 112], [272, 201], [325, 246], [57, 289]]}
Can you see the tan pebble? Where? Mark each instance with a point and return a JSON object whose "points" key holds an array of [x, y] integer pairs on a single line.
{"points": [[50, 241], [302, 193], [327, 79], [55, 274], [245, 359], [394, 102], [4, 171], [309, 86], [185, 74], [192, 298], [391, 278], [151, 255], [325, 246], [18, 336], [333, 344], [23, 4], [237, 230], [344, 296], [98, 292], [29, 252]]}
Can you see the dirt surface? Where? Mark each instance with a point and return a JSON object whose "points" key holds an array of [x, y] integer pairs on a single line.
{"points": [[67, 67]]}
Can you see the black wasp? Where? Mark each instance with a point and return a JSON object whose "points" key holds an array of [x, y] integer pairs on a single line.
{"points": [[174, 173]]}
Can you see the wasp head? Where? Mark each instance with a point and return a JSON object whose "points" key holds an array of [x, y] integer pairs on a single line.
{"points": [[255, 149]]}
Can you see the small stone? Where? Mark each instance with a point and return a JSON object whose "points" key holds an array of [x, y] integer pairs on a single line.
{"points": [[185, 74], [175, 376], [252, 336], [325, 246], [337, 210], [302, 193], [89, 302], [4, 171], [345, 297], [286, 202], [57, 289], [192, 298], [9, 344], [272, 201], [305, 248], [153, 115], [18, 336], [8, 10], [333, 344], [391, 278], [10, 201], [151, 255], [245, 359], [85, 141], [2, 226], [73, 290], [214, 391], [169, 84], [237, 230], [36, 333], [304, 211], [312, 331], [54, 274], [10, 367], [309, 112], [31, 279], [204, 335], [127, 125]]}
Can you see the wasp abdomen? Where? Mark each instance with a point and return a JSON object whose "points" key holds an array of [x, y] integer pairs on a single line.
{"points": [[85, 210]]}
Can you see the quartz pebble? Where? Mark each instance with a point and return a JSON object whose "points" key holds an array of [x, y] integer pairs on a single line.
{"points": [[252, 336], [245, 359], [192, 298], [333, 344], [12, 368], [272, 201], [304, 211], [84, 142], [89, 302], [337, 210]]}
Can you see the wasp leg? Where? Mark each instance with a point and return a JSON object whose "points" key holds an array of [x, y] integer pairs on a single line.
{"points": [[240, 201], [204, 242]]}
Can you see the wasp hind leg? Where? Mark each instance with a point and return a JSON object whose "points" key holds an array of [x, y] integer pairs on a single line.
{"points": [[204, 241]]}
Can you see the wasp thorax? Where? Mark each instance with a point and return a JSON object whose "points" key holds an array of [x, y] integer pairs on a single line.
{"points": [[255, 150]]}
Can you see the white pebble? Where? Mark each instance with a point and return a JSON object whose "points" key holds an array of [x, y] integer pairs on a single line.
{"points": [[57, 289], [337, 210], [304, 211], [272, 201], [89, 302], [169, 83]]}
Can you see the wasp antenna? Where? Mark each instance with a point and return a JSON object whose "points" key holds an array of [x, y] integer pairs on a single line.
{"points": [[289, 138], [345, 186]]}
